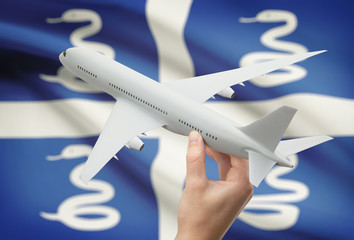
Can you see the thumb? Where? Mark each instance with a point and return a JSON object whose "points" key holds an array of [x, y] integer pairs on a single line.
{"points": [[196, 159]]}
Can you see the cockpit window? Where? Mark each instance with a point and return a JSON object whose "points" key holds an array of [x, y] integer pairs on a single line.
{"points": [[64, 53]]}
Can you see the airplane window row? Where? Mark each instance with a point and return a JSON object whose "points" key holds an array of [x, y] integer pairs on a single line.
{"points": [[139, 99], [211, 136], [86, 71], [189, 125], [197, 129]]}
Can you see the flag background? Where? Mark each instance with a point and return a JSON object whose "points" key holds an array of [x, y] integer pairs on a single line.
{"points": [[49, 120]]}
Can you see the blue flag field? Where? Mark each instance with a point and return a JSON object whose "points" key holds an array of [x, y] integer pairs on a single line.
{"points": [[50, 120]]}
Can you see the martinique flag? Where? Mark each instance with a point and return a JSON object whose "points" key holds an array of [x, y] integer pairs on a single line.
{"points": [[49, 120]]}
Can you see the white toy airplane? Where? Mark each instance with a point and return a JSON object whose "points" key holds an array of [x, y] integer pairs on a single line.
{"points": [[144, 104]]}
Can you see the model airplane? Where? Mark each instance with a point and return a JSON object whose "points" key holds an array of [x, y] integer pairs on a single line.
{"points": [[144, 104]]}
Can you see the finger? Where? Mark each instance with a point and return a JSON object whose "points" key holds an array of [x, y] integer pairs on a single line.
{"points": [[216, 156], [223, 160], [196, 159], [239, 170]]}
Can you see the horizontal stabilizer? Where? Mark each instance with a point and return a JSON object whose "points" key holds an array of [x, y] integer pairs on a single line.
{"points": [[269, 129], [259, 167], [293, 146]]}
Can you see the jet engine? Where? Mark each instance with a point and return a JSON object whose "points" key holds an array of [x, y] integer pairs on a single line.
{"points": [[135, 143], [227, 93]]}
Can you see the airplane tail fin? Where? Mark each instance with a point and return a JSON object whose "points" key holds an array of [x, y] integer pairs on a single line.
{"points": [[269, 129], [268, 132]]}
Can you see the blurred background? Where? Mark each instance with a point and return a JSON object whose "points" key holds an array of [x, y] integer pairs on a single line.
{"points": [[49, 120]]}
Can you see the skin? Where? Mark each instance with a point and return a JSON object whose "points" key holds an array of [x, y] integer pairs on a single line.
{"points": [[208, 208]]}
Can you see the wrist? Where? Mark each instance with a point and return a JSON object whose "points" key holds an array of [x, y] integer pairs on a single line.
{"points": [[195, 234]]}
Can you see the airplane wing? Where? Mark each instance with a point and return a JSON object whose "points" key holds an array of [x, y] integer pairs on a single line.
{"points": [[125, 122], [201, 88]]}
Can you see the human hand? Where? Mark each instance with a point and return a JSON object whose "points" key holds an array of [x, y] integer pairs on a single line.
{"points": [[208, 208]]}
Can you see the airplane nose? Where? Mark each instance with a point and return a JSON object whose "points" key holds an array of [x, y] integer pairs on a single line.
{"points": [[62, 56]]}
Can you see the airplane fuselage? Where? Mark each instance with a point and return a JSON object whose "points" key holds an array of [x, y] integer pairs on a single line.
{"points": [[179, 113]]}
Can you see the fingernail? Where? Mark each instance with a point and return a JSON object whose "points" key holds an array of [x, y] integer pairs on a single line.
{"points": [[194, 137]]}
